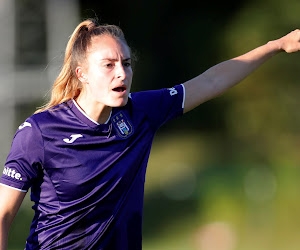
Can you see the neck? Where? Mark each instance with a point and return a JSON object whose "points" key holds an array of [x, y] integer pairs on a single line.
{"points": [[97, 111]]}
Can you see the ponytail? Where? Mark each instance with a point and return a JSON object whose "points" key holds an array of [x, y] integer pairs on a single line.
{"points": [[66, 85]]}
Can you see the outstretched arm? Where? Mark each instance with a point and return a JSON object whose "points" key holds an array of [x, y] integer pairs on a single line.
{"points": [[223, 76], [9, 205]]}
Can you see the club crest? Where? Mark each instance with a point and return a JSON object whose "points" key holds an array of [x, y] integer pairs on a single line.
{"points": [[122, 125]]}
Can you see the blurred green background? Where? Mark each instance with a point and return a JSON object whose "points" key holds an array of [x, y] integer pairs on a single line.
{"points": [[226, 175]]}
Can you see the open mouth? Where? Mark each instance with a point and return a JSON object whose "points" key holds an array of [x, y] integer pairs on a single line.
{"points": [[120, 89]]}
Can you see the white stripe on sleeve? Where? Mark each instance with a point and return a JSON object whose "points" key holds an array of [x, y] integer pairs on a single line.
{"points": [[24, 191], [183, 97]]}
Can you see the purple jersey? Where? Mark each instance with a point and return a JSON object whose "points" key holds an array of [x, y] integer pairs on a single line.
{"points": [[87, 179]]}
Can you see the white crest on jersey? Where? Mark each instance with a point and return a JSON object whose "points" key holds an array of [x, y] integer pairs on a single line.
{"points": [[25, 124], [74, 137]]}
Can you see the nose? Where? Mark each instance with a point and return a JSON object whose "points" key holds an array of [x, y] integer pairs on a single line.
{"points": [[121, 73]]}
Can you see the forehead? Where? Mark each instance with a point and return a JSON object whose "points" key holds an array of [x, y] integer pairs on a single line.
{"points": [[106, 46]]}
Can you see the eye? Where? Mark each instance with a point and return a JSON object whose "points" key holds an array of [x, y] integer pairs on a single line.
{"points": [[109, 65], [126, 64]]}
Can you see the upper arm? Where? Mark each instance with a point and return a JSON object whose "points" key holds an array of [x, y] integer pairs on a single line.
{"points": [[197, 91], [10, 202], [216, 80]]}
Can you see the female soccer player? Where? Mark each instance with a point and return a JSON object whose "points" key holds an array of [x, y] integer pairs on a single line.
{"points": [[84, 154]]}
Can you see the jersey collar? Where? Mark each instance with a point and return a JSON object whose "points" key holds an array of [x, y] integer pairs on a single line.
{"points": [[84, 117]]}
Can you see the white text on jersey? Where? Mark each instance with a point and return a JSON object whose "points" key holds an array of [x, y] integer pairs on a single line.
{"points": [[12, 173], [173, 91]]}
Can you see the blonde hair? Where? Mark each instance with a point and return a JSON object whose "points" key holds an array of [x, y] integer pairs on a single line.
{"points": [[66, 85]]}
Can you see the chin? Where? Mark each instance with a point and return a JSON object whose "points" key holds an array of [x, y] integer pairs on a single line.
{"points": [[121, 103]]}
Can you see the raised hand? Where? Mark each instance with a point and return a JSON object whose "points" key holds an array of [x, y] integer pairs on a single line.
{"points": [[291, 42]]}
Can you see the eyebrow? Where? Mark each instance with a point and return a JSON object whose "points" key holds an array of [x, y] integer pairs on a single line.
{"points": [[113, 59]]}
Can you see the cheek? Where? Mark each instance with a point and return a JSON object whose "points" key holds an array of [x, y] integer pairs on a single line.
{"points": [[130, 75], [97, 80], [95, 72], [130, 71], [97, 88]]}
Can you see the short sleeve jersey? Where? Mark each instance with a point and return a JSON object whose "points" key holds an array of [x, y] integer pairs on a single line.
{"points": [[87, 179]]}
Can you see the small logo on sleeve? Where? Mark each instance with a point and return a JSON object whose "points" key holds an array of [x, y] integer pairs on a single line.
{"points": [[12, 173], [173, 91], [122, 125], [73, 138], [25, 124]]}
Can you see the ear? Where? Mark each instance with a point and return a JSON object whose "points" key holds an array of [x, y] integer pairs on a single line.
{"points": [[81, 75]]}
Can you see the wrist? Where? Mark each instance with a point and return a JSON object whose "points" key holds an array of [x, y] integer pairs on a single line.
{"points": [[275, 46]]}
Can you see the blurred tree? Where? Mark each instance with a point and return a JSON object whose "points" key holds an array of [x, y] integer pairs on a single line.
{"points": [[263, 111]]}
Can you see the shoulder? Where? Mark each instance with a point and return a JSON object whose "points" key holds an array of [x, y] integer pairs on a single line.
{"points": [[158, 98], [158, 93], [60, 108], [160, 105], [36, 122], [59, 111]]}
